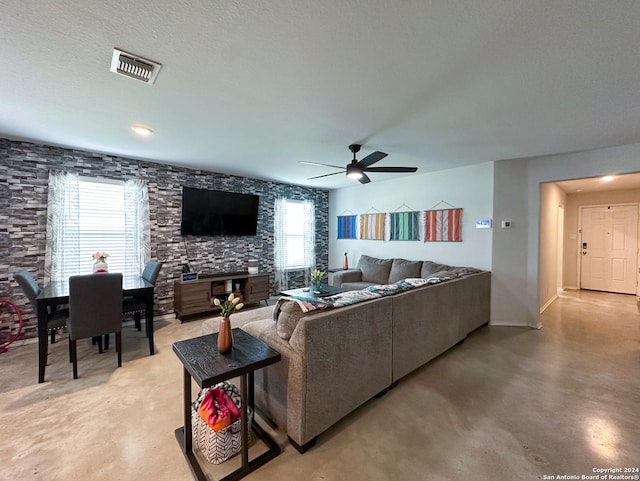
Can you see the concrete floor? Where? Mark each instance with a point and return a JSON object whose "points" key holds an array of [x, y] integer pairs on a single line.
{"points": [[507, 404]]}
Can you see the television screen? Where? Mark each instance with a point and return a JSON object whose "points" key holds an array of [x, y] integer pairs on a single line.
{"points": [[212, 212]]}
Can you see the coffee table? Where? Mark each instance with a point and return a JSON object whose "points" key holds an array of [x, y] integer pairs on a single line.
{"points": [[309, 295], [203, 363]]}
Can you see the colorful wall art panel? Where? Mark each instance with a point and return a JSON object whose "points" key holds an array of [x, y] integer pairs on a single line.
{"points": [[444, 225], [404, 226], [347, 226], [372, 226]]}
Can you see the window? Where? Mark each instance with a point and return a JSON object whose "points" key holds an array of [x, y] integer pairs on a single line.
{"points": [[86, 215], [101, 215], [294, 235], [294, 238]]}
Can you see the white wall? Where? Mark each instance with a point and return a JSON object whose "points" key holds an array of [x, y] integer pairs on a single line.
{"points": [[521, 306], [470, 188], [509, 281], [551, 197]]}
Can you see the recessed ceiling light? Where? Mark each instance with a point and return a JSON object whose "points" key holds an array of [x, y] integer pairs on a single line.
{"points": [[578, 190], [142, 130], [607, 178]]}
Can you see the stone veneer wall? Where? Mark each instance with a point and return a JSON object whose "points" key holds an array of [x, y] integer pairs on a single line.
{"points": [[24, 172]]}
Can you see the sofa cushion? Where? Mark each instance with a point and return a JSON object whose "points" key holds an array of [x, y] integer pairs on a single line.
{"points": [[286, 314], [374, 270], [441, 276], [404, 269], [465, 271], [429, 267]]}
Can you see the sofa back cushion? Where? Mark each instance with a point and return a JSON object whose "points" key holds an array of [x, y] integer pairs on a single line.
{"points": [[286, 313], [429, 267], [465, 271], [404, 269], [374, 270]]}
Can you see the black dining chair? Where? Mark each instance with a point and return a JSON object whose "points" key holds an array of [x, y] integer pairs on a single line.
{"points": [[95, 309], [57, 319], [132, 306]]}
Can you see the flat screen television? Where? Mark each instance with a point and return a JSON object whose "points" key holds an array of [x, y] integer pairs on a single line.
{"points": [[212, 212]]}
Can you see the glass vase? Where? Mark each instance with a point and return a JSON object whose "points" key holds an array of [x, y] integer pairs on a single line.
{"points": [[100, 265]]}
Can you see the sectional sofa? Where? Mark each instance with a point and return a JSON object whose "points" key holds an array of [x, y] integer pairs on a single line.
{"points": [[335, 359]]}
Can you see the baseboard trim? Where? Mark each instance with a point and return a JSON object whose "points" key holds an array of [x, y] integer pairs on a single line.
{"points": [[548, 303], [512, 324]]}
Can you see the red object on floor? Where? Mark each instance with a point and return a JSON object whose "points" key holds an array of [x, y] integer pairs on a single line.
{"points": [[9, 328]]}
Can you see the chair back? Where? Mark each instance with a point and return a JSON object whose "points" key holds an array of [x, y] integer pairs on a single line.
{"points": [[29, 286], [95, 305], [151, 271]]}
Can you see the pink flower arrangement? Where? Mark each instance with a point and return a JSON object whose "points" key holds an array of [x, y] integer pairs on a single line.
{"points": [[100, 255]]}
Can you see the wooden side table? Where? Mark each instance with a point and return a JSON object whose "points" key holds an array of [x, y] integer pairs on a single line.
{"points": [[203, 363]]}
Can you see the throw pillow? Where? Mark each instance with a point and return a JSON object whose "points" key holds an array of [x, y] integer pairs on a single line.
{"points": [[429, 267], [404, 269], [374, 270], [286, 314]]}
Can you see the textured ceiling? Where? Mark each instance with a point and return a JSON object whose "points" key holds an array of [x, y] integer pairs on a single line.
{"points": [[252, 88], [597, 184]]}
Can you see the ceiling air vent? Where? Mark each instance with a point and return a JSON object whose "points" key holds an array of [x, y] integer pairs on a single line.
{"points": [[132, 66]]}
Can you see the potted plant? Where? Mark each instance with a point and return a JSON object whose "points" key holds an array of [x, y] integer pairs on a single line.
{"points": [[316, 277]]}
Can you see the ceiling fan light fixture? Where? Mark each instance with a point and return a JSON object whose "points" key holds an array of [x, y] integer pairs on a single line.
{"points": [[354, 172]]}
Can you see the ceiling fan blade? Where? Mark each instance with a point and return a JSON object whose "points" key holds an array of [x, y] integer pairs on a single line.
{"points": [[372, 159], [322, 165], [391, 169], [325, 175], [364, 179]]}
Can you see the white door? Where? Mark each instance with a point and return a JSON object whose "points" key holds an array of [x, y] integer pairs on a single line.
{"points": [[609, 248]]}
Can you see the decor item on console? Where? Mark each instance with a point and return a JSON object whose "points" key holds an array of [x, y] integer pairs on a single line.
{"points": [[100, 264], [316, 277], [252, 266], [227, 307], [345, 264], [414, 311]]}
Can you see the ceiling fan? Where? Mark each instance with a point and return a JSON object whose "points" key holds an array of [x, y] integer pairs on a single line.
{"points": [[357, 169]]}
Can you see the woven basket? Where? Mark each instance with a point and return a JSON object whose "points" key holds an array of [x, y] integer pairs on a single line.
{"points": [[218, 446]]}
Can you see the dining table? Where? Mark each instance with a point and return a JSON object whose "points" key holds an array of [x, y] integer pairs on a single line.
{"points": [[57, 294]]}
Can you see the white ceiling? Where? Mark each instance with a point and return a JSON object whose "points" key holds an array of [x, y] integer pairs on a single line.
{"points": [[252, 88]]}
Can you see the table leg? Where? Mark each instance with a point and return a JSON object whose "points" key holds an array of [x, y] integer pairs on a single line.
{"points": [[188, 437], [184, 435], [148, 312], [42, 338], [244, 430]]}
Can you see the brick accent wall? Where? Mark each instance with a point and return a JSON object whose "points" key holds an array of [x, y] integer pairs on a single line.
{"points": [[24, 173]]}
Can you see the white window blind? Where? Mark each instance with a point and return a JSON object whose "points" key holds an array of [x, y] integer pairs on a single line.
{"points": [[102, 223], [294, 232], [294, 223]]}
